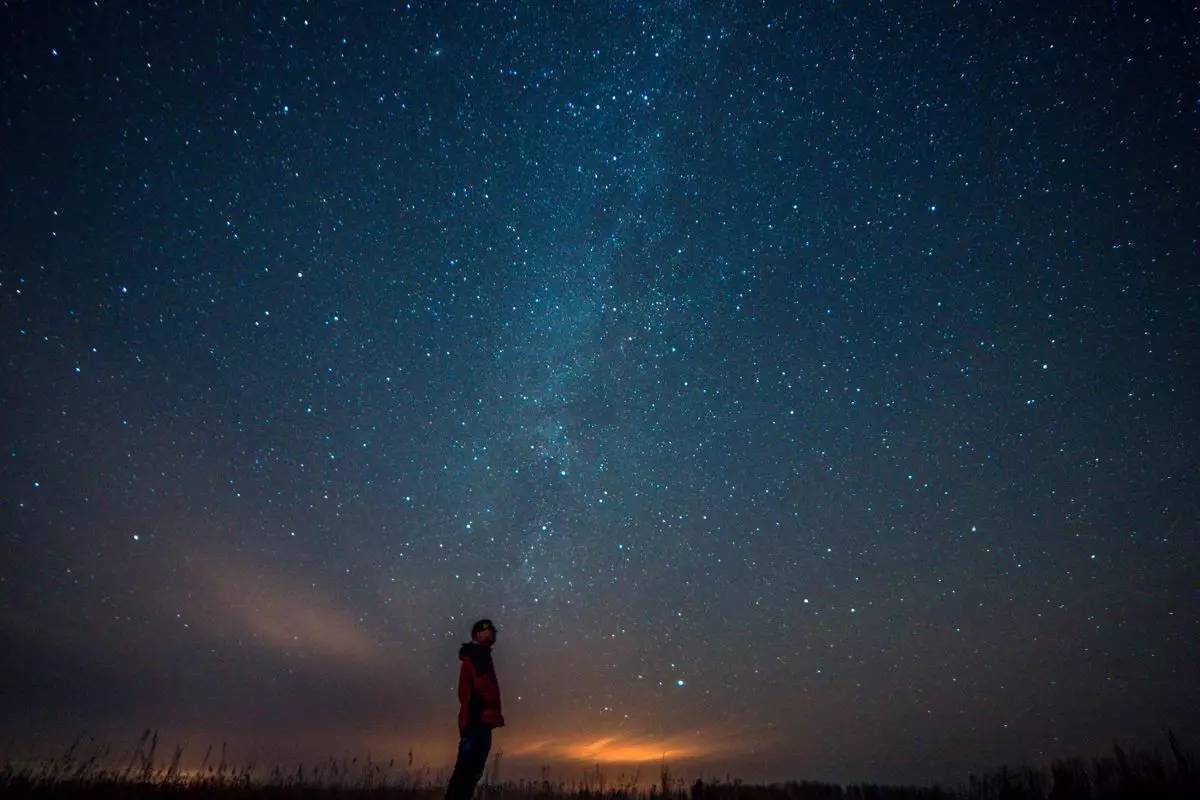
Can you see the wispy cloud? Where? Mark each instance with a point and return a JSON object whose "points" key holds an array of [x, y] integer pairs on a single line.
{"points": [[281, 612]]}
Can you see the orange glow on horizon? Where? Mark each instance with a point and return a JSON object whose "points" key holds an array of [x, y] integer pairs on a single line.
{"points": [[610, 750], [620, 749]]}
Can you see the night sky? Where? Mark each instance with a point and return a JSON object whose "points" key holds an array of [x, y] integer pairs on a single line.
{"points": [[806, 390]]}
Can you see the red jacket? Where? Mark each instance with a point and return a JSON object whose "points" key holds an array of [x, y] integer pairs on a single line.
{"points": [[478, 689]]}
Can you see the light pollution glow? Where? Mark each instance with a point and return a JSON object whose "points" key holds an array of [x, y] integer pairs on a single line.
{"points": [[618, 749]]}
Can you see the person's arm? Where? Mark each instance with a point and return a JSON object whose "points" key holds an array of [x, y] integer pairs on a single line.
{"points": [[465, 685]]}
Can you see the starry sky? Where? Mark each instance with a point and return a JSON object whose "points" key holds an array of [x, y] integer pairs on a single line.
{"points": [[806, 390]]}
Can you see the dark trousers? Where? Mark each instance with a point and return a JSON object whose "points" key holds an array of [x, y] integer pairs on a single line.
{"points": [[473, 750]]}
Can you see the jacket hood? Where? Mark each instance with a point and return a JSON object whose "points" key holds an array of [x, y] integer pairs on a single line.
{"points": [[469, 648], [479, 654]]}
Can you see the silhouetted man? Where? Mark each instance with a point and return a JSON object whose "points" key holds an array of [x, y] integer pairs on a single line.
{"points": [[479, 710]]}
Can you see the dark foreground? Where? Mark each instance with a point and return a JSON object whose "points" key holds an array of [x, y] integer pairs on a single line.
{"points": [[1126, 773]]}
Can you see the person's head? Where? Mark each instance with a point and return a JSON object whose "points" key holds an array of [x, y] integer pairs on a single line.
{"points": [[483, 632]]}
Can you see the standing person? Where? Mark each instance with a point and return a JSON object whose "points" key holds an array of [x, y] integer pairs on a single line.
{"points": [[479, 710]]}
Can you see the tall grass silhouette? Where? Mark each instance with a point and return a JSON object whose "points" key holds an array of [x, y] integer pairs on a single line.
{"points": [[100, 774]]}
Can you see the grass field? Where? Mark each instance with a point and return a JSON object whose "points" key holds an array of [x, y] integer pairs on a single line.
{"points": [[91, 770]]}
